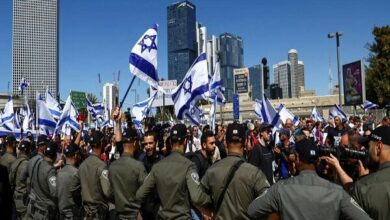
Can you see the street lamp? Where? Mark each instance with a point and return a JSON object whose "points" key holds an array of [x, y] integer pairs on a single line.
{"points": [[337, 35]]}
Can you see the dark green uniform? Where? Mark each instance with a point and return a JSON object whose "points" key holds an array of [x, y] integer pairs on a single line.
{"points": [[306, 196], [247, 183], [177, 182], [373, 193], [26, 175], [6, 160], [66, 204], [92, 177], [126, 176], [44, 184], [19, 184]]}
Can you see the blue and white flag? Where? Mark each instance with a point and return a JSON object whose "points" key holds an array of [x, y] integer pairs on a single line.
{"points": [[285, 114], [368, 105], [194, 86], [8, 116], [68, 117], [268, 113], [143, 58], [337, 111], [138, 125], [258, 104], [23, 84], [96, 110], [28, 121], [141, 109], [17, 121], [46, 122], [53, 105], [216, 88], [315, 115], [194, 115]]}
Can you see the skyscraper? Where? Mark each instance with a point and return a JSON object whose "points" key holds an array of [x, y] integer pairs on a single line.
{"points": [[110, 96], [212, 51], [35, 46], [231, 57], [255, 79], [182, 45], [201, 38], [290, 75]]}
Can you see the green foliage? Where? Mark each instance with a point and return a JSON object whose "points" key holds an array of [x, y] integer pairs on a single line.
{"points": [[378, 71], [92, 98]]}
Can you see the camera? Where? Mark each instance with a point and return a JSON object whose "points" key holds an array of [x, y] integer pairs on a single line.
{"points": [[344, 153]]}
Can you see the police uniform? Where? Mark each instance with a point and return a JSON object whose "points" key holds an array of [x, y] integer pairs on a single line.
{"points": [[306, 196], [67, 206], [18, 184], [176, 181], [372, 192], [92, 177], [126, 175], [8, 158], [247, 183], [44, 184]]}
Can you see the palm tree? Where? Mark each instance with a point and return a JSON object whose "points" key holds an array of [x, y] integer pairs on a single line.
{"points": [[92, 98]]}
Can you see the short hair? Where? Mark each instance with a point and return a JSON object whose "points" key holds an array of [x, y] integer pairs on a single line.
{"points": [[151, 133], [206, 135]]}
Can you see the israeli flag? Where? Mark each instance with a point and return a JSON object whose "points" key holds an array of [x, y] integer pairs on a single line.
{"points": [[194, 115], [23, 85], [337, 111], [143, 58], [28, 121], [216, 88], [46, 122], [96, 109], [17, 121], [53, 105], [285, 114], [8, 116], [194, 86], [138, 125], [141, 109], [368, 105], [258, 104], [315, 115], [68, 117], [268, 113]]}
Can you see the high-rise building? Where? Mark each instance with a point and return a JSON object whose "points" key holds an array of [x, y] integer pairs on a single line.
{"points": [[290, 75], [182, 46], [212, 51], [35, 46], [201, 38], [110, 96], [231, 57], [255, 79]]}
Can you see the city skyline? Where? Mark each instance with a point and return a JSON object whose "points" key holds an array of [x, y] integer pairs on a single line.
{"points": [[96, 38]]}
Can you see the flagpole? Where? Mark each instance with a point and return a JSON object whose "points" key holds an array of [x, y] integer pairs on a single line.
{"points": [[127, 92]]}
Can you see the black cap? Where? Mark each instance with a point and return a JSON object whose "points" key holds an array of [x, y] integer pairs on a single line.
{"points": [[307, 151], [178, 132], [265, 127], [129, 135], [30, 135], [71, 149], [42, 139], [381, 134], [51, 149], [235, 132], [24, 145], [95, 138], [10, 139]]}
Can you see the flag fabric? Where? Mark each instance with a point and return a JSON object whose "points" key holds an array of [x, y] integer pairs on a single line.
{"points": [[285, 114], [141, 109], [46, 122], [96, 110], [143, 58], [213, 114], [194, 115], [68, 117], [17, 121], [8, 116], [368, 105], [258, 104], [23, 85], [337, 111], [52, 105], [216, 88], [138, 125], [194, 86], [268, 113], [315, 115]]}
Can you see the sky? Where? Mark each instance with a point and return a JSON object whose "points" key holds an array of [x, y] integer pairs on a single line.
{"points": [[96, 36]]}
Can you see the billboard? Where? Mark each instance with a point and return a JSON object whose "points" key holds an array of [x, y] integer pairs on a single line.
{"points": [[353, 83], [168, 85], [241, 80], [78, 99]]}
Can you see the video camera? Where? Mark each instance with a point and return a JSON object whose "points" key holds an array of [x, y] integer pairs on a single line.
{"points": [[344, 153]]}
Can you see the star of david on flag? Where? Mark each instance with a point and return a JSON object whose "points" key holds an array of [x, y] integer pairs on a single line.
{"points": [[148, 42]]}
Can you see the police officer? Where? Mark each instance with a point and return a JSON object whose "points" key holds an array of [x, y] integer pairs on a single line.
{"points": [[44, 184], [27, 173], [8, 158], [372, 192], [19, 185], [231, 200], [175, 179], [306, 196], [68, 207], [92, 177], [126, 175]]}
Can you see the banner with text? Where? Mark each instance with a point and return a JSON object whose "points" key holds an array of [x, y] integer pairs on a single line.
{"points": [[168, 86]]}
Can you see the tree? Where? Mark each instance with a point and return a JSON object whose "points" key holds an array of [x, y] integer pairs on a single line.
{"points": [[92, 98], [378, 70]]}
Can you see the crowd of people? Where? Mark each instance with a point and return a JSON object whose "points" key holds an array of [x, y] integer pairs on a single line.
{"points": [[338, 169]]}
